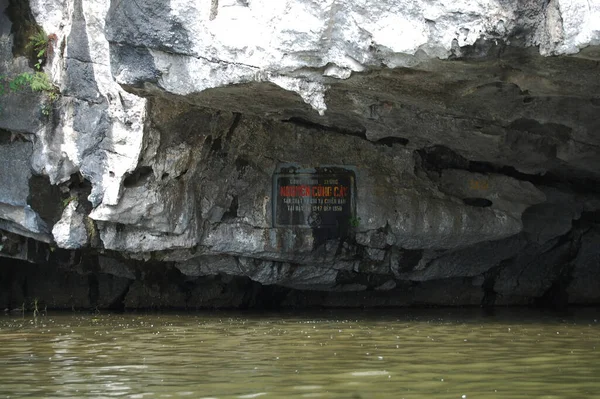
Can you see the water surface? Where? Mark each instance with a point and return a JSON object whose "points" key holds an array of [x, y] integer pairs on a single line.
{"points": [[359, 354]]}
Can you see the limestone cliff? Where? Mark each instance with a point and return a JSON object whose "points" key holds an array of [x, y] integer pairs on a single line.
{"points": [[470, 131]]}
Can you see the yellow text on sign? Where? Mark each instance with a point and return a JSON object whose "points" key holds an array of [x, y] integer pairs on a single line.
{"points": [[479, 184]]}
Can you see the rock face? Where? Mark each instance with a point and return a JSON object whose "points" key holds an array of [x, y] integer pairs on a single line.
{"points": [[70, 231], [469, 131]]}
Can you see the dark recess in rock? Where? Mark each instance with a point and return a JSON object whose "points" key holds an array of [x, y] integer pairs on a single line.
{"points": [[581, 183], [236, 121], [555, 130], [23, 26], [315, 126], [138, 177], [241, 164], [10, 243], [216, 145], [590, 217], [232, 212], [489, 295], [351, 278], [407, 259], [270, 297], [481, 49], [118, 304], [23, 283], [478, 202], [79, 184], [390, 141], [45, 199], [557, 296], [182, 174], [5, 136], [438, 158], [94, 290]]}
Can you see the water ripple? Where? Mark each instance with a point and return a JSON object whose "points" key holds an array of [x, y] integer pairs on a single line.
{"points": [[351, 355]]}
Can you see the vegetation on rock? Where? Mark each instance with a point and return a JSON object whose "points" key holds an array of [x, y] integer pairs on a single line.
{"points": [[37, 81], [41, 44]]}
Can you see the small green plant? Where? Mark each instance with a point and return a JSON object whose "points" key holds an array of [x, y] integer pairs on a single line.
{"points": [[20, 81], [354, 221], [38, 42], [46, 109], [37, 82], [41, 46], [41, 82]]}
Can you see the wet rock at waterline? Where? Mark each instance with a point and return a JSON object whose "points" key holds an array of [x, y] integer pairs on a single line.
{"points": [[380, 154]]}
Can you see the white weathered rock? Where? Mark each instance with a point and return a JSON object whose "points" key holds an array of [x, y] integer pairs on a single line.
{"points": [[570, 26], [70, 231], [101, 128], [233, 42]]}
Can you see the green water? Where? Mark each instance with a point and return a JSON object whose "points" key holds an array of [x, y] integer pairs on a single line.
{"points": [[360, 354]]}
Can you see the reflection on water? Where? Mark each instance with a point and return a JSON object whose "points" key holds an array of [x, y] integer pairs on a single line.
{"points": [[392, 354]]}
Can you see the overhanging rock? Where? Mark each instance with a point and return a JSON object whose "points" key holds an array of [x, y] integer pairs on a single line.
{"points": [[461, 127]]}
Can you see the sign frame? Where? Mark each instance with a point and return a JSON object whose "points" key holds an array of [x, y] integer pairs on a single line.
{"points": [[322, 198]]}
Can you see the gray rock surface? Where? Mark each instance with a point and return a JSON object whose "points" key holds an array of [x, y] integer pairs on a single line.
{"points": [[5, 23], [14, 180], [114, 267], [504, 193], [16, 215], [532, 272], [466, 262], [583, 288], [470, 129], [21, 109]]}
